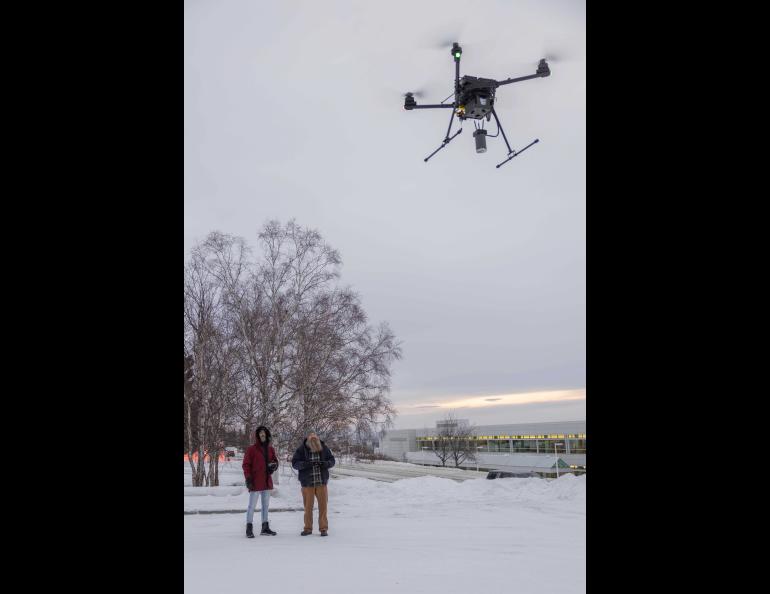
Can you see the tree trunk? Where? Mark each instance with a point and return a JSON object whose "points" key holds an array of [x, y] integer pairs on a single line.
{"points": [[200, 474], [214, 469], [192, 468]]}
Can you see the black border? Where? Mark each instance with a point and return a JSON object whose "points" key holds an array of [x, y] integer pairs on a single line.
{"points": [[99, 243], [99, 235]]}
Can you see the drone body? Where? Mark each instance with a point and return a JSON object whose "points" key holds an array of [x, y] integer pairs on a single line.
{"points": [[474, 99]]}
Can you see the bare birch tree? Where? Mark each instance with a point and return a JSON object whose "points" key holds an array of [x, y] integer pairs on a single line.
{"points": [[456, 441], [442, 448], [461, 442], [212, 368], [273, 340]]}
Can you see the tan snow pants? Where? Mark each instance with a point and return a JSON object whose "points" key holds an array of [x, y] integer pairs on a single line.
{"points": [[308, 495]]}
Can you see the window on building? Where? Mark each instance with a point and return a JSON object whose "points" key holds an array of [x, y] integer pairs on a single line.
{"points": [[504, 446], [524, 446]]}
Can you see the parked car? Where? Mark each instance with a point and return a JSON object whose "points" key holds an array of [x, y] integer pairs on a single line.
{"points": [[231, 452], [496, 474]]}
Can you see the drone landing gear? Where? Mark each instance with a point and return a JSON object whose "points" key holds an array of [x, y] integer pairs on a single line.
{"points": [[511, 153], [515, 154], [448, 138], [443, 144]]}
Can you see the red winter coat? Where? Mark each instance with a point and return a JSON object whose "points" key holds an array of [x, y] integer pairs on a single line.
{"points": [[255, 466]]}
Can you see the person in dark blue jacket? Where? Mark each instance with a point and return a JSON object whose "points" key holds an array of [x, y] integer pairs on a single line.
{"points": [[313, 459]]}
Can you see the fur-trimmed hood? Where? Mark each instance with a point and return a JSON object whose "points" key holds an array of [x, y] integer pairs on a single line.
{"points": [[268, 436]]}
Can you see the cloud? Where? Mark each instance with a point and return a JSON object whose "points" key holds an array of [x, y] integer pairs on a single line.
{"points": [[514, 399], [566, 410]]}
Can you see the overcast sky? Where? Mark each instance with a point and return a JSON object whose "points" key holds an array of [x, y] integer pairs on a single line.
{"points": [[293, 109]]}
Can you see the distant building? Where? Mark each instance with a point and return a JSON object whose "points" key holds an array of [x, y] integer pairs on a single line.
{"points": [[511, 447], [398, 443]]}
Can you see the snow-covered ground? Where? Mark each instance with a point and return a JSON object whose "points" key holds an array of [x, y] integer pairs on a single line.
{"points": [[232, 494], [423, 534]]}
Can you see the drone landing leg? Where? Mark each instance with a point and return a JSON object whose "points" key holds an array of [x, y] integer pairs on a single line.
{"points": [[511, 152], [499, 125], [517, 154], [448, 138], [443, 144]]}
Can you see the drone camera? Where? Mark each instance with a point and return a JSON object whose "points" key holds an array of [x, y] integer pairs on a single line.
{"points": [[481, 140]]}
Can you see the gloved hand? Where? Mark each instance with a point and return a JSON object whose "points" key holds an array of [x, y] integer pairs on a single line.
{"points": [[249, 483], [272, 467]]}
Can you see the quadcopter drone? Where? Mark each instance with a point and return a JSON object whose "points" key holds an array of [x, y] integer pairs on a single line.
{"points": [[474, 98]]}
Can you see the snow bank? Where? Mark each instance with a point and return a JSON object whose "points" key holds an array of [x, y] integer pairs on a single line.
{"points": [[357, 493]]}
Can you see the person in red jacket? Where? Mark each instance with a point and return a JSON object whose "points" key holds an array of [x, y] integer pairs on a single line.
{"points": [[259, 463]]}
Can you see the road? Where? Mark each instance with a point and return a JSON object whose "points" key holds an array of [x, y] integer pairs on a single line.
{"points": [[393, 471]]}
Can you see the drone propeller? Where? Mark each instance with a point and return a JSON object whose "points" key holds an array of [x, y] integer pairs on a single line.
{"points": [[445, 43], [553, 57], [477, 47], [455, 32], [560, 53], [445, 37], [549, 54], [430, 91]]}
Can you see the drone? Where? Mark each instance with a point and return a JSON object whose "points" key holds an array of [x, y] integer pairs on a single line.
{"points": [[474, 99]]}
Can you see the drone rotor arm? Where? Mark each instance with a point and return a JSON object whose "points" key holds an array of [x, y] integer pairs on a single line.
{"points": [[508, 81], [457, 75], [437, 106], [542, 71]]}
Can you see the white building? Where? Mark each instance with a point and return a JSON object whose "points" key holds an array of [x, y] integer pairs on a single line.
{"points": [[512, 447]]}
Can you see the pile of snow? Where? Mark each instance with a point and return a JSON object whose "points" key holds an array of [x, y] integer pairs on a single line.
{"points": [[355, 493]]}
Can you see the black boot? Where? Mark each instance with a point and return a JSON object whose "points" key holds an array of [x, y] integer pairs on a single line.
{"points": [[266, 529], [249, 531]]}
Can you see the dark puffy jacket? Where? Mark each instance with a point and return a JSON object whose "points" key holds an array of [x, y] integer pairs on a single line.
{"points": [[301, 462], [255, 465]]}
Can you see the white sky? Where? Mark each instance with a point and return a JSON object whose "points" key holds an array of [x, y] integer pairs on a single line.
{"points": [[293, 110]]}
